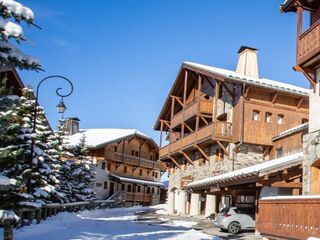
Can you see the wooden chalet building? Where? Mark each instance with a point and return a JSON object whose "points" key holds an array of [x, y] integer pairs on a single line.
{"points": [[298, 217], [126, 161], [230, 136]]}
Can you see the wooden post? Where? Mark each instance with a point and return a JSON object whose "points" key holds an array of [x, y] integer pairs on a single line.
{"points": [[32, 216], [8, 232], [161, 130], [39, 212], [299, 28], [45, 213], [185, 87]]}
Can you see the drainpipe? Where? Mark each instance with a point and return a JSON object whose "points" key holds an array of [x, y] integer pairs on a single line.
{"points": [[242, 127]]}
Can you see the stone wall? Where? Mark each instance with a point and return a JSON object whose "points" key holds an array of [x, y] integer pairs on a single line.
{"points": [[247, 155], [311, 153]]}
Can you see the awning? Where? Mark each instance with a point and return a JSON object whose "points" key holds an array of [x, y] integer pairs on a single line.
{"points": [[135, 181], [253, 171]]}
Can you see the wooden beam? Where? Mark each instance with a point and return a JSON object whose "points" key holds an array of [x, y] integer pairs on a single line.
{"points": [[199, 87], [178, 100], [161, 131], [223, 148], [187, 157], [287, 184], [185, 87], [168, 125], [210, 83], [202, 152], [162, 163], [172, 107], [228, 90], [300, 102], [247, 92], [203, 119], [175, 162], [274, 98], [190, 129], [310, 79]]}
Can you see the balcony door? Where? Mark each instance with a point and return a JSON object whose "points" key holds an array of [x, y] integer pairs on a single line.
{"points": [[315, 178]]}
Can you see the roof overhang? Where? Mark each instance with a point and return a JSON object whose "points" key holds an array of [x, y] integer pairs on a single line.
{"points": [[134, 180], [291, 5]]}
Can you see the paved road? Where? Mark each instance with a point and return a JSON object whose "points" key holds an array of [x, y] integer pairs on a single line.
{"points": [[204, 225]]}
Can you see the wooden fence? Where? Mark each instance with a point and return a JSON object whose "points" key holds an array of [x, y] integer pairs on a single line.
{"points": [[289, 218], [29, 215]]}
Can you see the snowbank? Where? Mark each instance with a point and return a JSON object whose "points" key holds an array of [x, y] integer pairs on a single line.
{"points": [[111, 224]]}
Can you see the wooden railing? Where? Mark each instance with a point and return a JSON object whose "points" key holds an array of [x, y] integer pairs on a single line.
{"points": [[309, 44], [202, 106], [132, 160], [290, 218], [138, 197], [219, 130], [28, 215]]}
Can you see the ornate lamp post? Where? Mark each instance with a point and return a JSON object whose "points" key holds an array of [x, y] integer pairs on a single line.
{"points": [[61, 107]]}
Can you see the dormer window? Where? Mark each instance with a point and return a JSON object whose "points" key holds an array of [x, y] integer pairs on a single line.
{"points": [[256, 115], [280, 118]]}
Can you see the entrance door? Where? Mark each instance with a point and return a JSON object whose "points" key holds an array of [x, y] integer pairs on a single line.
{"points": [[315, 178], [111, 191]]}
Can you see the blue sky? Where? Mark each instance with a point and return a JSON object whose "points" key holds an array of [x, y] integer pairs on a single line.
{"points": [[123, 55]]}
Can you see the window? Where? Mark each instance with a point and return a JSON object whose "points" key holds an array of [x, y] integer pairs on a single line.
{"points": [[152, 173], [151, 157], [255, 115], [137, 154], [148, 190], [279, 152], [156, 174], [139, 189], [152, 190], [103, 165], [267, 117], [304, 120], [125, 169], [105, 185], [280, 119], [98, 185], [129, 188], [116, 148], [123, 187], [109, 166], [132, 152], [219, 155], [140, 172]]}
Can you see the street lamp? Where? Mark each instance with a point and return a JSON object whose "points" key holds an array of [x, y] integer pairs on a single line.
{"points": [[61, 107]]}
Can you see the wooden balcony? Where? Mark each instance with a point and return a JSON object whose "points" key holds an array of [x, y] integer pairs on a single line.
{"points": [[132, 160], [295, 218], [308, 53], [213, 131], [203, 106], [138, 197]]}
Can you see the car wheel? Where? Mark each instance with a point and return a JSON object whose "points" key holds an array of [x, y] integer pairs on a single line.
{"points": [[234, 228]]}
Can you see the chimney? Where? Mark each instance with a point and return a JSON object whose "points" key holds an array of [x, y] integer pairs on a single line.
{"points": [[71, 125], [248, 62]]}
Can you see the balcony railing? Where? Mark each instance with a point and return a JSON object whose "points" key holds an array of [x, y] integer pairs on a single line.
{"points": [[309, 44], [202, 106], [218, 130], [132, 160], [291, 218]]}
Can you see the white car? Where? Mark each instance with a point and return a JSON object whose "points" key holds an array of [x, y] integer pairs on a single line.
{"points": [[235, 219]]}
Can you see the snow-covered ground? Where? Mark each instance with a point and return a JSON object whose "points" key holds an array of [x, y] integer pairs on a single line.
{"points": [[113, 224]]}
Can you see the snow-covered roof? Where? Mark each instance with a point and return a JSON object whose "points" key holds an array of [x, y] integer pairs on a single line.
{"points": [[261, 82], [255, 170], [136, 181], [291, 131], [291, 197], [4, 181], [101, 136]]}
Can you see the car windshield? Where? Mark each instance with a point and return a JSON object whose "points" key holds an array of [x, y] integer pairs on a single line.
{"points": [[225, 210]]}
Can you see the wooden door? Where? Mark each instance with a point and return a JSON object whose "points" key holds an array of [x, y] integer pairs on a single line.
{"points": [[111, 192]]}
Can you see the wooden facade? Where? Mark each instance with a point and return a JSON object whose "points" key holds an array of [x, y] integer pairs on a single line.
{"points": [[203, 110], [135, 158]]}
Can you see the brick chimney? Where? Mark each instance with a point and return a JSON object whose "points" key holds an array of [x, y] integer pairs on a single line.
{"points": [[72, 125], [248, 62]]}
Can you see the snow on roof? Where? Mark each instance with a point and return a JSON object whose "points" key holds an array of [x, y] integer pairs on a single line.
{"points": [[98, 137], [291, 130], [4, 181], [255, 170], [262, 82], [136, 181], [290, 197]]}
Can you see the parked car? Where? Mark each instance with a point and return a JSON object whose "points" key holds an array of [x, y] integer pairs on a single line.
{"points": [[235, 219]]}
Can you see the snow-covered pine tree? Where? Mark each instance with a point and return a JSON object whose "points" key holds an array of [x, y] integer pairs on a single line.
{"points": [[83, 172], [12, 14], [11, 152]]}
